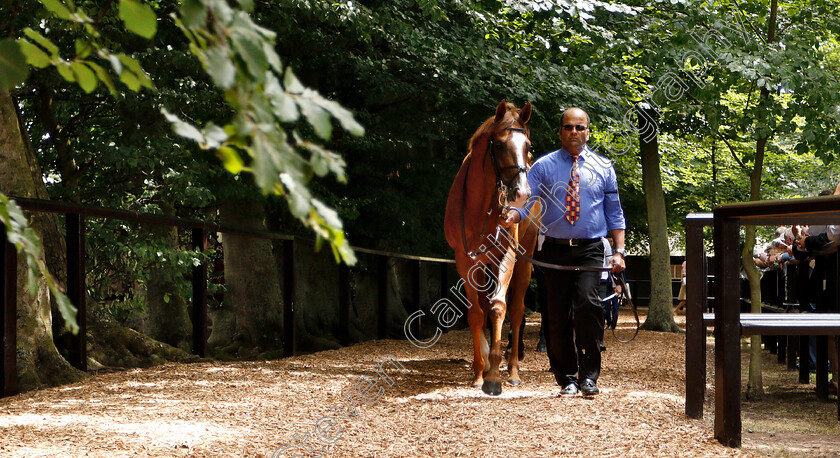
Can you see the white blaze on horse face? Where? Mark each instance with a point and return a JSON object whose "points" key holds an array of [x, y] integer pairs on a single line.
{"points": [[520, 143]]}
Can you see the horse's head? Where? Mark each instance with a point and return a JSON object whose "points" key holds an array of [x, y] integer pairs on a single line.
{"points": [[510, 151]]}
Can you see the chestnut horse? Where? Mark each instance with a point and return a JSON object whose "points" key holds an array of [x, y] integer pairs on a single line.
{"points": [[492, 176]]}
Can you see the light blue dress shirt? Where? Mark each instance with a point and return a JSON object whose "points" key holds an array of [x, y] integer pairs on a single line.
{"points": [[600, 208]]}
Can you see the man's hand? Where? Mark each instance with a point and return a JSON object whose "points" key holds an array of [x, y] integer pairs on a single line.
{"points": [[837, 190], [617, 263], [512, 217]]}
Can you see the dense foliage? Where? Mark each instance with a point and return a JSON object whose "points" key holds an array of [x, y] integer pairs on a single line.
{"points": [[420, 76]]}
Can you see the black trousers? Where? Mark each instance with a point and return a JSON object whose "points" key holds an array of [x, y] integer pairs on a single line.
{"points": [[575, 316]]}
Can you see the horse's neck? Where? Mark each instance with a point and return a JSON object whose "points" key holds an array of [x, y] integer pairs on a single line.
{"points": [[481, 181]]}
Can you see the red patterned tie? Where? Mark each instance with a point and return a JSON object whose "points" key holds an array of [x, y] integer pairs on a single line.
{"points": [[573, 195]]}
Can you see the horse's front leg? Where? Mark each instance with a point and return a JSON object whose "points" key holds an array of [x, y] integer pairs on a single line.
{"points": [[493, 381], [477, 319], [516, 312], [498, 308]]}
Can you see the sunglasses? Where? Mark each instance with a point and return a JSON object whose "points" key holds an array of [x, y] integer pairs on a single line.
{"points": [[579, 127]]}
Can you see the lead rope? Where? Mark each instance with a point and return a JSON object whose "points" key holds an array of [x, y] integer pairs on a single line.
{"points": [[618, 279]]}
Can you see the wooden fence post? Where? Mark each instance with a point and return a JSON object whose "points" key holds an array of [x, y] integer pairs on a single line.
{"points": [[382, 301], [344, 304], [289, 298], [727, 425], [415, 295], [8, 316], [199, 299], [695, 331], [75, 236]]}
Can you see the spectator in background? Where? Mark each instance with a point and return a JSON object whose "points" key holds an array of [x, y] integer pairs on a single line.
{"points": [[820, 242], [681, 295], [609, 289]]}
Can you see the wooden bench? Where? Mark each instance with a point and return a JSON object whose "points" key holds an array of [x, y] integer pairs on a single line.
{"points": [[729, 324]]}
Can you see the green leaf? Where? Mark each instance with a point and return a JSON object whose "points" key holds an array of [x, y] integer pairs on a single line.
{"points": [[297, 193], [230, 159], [103, 76], [272, 57], [66, 71], [284, 106], [57, 8], [193, 13], [329, 215], [215, 135], [35, 56], [84, 76], [68, 312], [131, 64], [317, 117], [166, 298], [291, 82], [41, 40], [138, 17], [130, 80], [183, 128], [13, 63], [83, 49], [249, 47], [343, 115], [247, 5], [31, 279], [220, 67]]}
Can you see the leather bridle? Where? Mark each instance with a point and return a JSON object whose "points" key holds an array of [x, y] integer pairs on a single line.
{"points": [[501, 189]]}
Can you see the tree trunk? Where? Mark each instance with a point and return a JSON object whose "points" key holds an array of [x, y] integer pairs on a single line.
{"points": [[168, 320], [661, 312], [38, 361], [755, 385], [250, 319]]}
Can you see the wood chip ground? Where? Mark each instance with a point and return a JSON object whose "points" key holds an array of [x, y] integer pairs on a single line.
{"points": [[258, 408]]}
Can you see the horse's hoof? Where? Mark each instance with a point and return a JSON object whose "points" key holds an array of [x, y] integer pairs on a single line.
{"points": [[514, 382], [492, 388]]}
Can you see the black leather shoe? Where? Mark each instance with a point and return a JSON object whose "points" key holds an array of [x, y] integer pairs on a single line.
{"points": [[571, 389], [588, 387]]}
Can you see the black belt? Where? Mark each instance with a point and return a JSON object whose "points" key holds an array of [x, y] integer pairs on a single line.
{"points": [[571, 242]]}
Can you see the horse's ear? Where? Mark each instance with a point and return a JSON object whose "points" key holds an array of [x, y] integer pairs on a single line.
{"points": [[525, 114], [501, 110]]}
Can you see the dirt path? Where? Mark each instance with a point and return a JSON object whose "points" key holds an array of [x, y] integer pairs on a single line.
{"points": [[256, 408]]}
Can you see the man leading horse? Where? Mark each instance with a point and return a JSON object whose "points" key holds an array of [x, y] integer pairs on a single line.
{"points": [[579, 192]]}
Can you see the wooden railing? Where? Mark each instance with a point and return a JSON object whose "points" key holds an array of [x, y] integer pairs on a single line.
{"points": [[727, 220], [75, 216]]}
